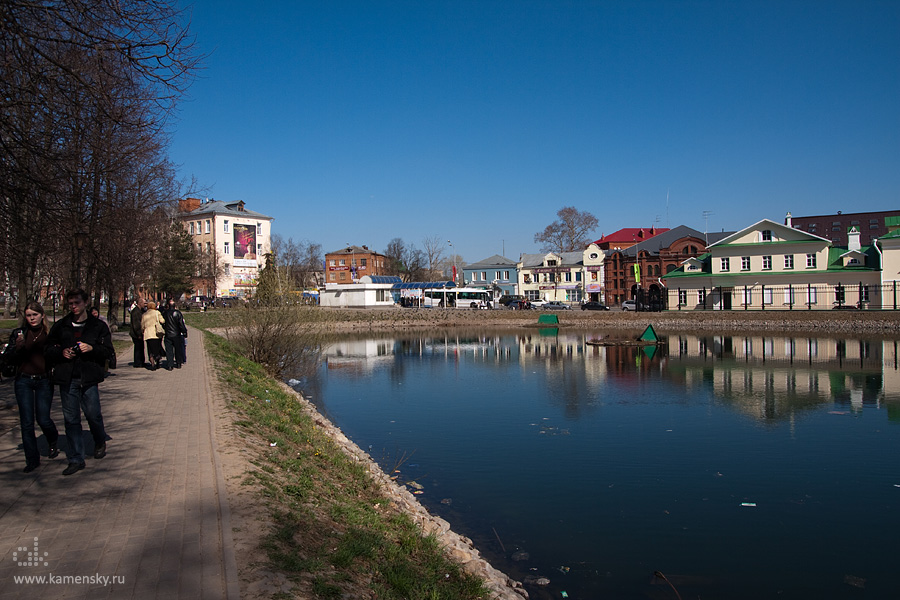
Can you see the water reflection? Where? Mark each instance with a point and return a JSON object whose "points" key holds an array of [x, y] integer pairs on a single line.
{"points": [[765, 377], [617, 460]]}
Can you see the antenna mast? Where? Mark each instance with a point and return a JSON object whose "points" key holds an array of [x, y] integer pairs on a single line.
{"points": [[706, 214]]}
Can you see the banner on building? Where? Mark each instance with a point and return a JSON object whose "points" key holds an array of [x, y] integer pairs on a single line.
{"points": [[245, 245]]}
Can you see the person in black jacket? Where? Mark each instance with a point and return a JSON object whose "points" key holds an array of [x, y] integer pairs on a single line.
{"points": [[137, 332], [78, 347], [34, 392], [176, 333]]}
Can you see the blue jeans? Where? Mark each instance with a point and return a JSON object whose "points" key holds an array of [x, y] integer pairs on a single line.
{"points": [[34, 397], [75, 399]]}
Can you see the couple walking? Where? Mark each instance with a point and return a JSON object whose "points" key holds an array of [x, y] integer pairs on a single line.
{"points": [[72, 354], [151, 326]]}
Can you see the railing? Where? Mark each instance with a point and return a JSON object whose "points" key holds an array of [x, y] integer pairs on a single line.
{"points": [[761, 297]]}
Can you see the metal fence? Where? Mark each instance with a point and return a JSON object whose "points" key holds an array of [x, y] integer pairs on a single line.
{"points": [[759, 297]]}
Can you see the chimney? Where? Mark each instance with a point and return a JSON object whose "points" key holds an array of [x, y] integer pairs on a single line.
{"points": [[853, 239], [788, 219], [188, 205]]}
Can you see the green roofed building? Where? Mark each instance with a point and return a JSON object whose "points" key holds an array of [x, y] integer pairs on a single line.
{"points": [[770, 266]]}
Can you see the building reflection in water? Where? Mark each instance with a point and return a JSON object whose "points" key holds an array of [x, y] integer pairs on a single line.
{"points": [[766, 377]]}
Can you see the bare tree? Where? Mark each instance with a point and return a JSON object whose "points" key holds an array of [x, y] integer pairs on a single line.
{"points": [[434, 254], [569, 233]]}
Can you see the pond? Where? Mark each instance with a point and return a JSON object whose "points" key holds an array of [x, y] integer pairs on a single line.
{"points": [[728, 467]]}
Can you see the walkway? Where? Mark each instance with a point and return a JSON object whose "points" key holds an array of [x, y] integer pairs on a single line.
{"points": [[151, 517]]}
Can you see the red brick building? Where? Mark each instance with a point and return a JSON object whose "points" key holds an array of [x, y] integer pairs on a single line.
{"points": [[348, 264], [662, 253]]}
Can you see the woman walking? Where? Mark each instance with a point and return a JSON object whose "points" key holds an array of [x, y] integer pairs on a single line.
{"points": [[152, 324], [34, 390]]}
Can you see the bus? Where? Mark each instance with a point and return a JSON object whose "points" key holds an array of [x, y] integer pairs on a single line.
{"points": [[461, 297]]}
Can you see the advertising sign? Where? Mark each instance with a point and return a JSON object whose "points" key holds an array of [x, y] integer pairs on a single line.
{"points": [[245, 245], [246, 279]]}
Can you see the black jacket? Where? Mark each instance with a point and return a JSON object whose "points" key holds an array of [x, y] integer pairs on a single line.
{"points": [[174, 323], [89, 366]]}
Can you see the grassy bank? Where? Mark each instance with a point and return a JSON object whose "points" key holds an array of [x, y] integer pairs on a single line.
{"points": [[333, 532]]}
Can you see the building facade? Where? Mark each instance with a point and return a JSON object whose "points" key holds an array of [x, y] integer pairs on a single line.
{"points": [[552, 276], [635, 272], [232, 243], [835, 228], [496, 273], [773, 266], [348, 265]]}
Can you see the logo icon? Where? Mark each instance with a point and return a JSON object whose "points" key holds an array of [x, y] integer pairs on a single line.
{"points": [[32, 558]]}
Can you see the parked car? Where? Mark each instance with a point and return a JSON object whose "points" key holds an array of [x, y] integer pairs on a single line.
{"points": [[633, 305], [593, 305], [505, 299], [518, 305], [555, 305]]}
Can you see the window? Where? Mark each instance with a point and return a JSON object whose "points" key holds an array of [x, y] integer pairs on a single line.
{"points": [[332, 276], [810, 261], [725, 264], [788, 261], [330, 262], [227, 248], [484, 275], [551, 263], [225, 225], [767, 263], [363, 262], [506, 275], [567, 276], [789, 295], [811, 296], [192, 228], [767, 295], [380, 295], [767, 235], [682, 297], [258, 249], [745, 263], [208, 225], [864, 293], [747, 294], [578, 276], [259, 229], [199, 248], [208, 247], [228, 269], [342, 262], [839, 296], [701, 296]]}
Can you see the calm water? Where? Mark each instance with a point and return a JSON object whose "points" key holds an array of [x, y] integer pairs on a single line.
{"points": [[739, 467]]}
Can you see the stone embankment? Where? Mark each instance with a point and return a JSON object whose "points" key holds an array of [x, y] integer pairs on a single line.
{"points": [[460, 548], [865, 322]]}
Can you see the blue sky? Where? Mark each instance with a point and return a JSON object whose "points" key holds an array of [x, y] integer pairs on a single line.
{"points": [[475, 121]]}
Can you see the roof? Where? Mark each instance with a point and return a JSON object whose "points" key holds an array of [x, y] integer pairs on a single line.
{"points": [[492, 261], [380, 279], [537, 260], [769, 224], [630, 235], [663, 240], [218, 207], [423, 285], [354, 250]]}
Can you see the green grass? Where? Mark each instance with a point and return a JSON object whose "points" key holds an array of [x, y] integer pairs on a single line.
{"points": [[333, 531]]}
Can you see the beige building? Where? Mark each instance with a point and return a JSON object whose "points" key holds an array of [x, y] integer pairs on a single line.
{"points": [[551, 276], [773, 266], [232, 242]]}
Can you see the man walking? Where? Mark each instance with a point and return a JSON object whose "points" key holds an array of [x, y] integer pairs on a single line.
{"points": [[176, 333], [137, 332], [78, 347]]}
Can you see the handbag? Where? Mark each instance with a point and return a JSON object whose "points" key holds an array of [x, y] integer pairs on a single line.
{"points": [[8, 365]]}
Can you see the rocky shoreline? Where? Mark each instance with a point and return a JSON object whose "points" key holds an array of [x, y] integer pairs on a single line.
{"points": [[460, 548]]}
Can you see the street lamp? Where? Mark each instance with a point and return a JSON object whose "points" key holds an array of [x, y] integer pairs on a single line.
{"points": [[454, 260], [352, 259]]}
